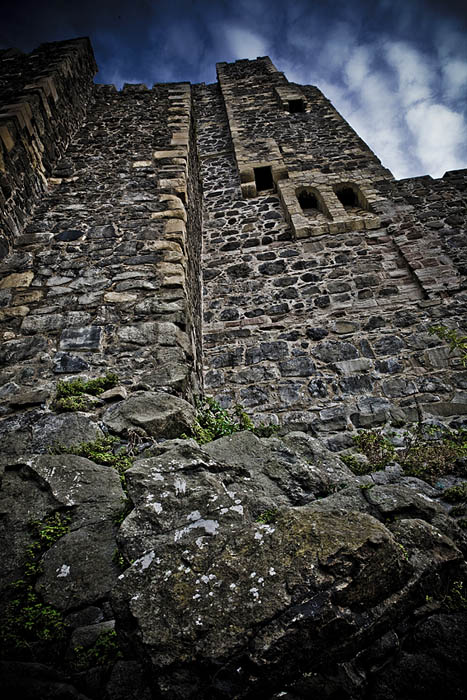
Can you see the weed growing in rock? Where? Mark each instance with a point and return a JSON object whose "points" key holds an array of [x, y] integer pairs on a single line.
{"points": [[127, 507], [357, 466], [268, 516], [28, 621], [376, 447], [76, 394], [456, 597], [213, 421], [120, 561], [105, 651], [452, 337], [428, 452]]}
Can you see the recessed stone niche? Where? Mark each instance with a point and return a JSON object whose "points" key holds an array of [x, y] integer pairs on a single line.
{"points": [[315, 204]]}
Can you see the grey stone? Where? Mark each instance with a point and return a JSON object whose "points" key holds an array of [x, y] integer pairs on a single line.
{"points": [[36, 431], [78, 570], [157, 414], [93, 490], [89, 338], [297, 367], [388, 345], [334, 351], [69, 235], [67, 364]]}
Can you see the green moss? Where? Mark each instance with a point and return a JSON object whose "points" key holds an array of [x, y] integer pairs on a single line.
{"points": [[93, 386], [456, 494], [213, 422], [75, 395], [27, 619], [268, 516], [74, 403]]}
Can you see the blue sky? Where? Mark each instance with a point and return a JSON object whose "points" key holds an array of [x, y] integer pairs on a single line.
{"points": [[395, 69]]}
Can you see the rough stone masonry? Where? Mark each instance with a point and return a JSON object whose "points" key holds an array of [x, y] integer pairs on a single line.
{"points": [[237, 239]]}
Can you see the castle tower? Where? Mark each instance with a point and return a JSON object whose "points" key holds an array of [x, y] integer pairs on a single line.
{"points": [[237, 239], [322, 274]]}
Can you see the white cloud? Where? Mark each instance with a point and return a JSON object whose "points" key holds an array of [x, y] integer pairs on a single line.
{"points": [[439, 134], [455, 75], [244, 43], [413, 70]]}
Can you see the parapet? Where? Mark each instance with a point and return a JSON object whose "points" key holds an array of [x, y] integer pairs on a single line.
{"points": [[42, 102]]}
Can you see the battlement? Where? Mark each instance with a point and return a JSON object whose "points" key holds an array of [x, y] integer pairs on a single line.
{"points": [[43, 97]]}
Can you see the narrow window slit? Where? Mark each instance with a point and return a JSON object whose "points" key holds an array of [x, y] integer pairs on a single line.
{"points": [[263, 179]]}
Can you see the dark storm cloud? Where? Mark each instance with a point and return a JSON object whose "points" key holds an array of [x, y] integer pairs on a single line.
{"points": [[396, 69]]}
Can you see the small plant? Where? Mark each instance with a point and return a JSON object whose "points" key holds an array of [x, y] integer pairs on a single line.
{"points": [[452, 337], [268, 516], [376, 447], [120, 561], [76, 394], [27, 619], [430, 453], [103, 652], [213, 421], [456, 494], [357, 466], [101, 451], [456, 597]]}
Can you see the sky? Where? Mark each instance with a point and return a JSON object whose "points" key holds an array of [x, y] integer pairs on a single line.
{"points": [[395, 69]]}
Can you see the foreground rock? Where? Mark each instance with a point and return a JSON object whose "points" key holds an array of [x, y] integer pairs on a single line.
{"points": [[252, 568], [248, 571]]}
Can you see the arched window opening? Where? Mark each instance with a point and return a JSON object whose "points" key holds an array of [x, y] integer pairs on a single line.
{"points": [[307, 201], [296, 106], [263, 179], [311, 203], [347, 197]]}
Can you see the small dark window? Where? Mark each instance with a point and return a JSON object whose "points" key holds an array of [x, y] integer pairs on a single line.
{"points": [[307, 200], [296, 106], [347, 197], [263, 179]]}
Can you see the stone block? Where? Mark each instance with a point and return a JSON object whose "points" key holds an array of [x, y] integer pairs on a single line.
{"points": [[17, 279], [87, 338]]}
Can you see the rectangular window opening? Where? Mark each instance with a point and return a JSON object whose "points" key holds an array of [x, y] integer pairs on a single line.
{"points": [[296, 106], [263, 179]]}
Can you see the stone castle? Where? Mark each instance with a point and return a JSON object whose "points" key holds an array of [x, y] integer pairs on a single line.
{"points": [[239, 240]]}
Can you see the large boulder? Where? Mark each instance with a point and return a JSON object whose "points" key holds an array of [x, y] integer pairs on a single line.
{"points": [[153, 412], [256, 561]]}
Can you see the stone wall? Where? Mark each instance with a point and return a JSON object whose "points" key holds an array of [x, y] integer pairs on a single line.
{"points": [[105, 276], [320, 317]]}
